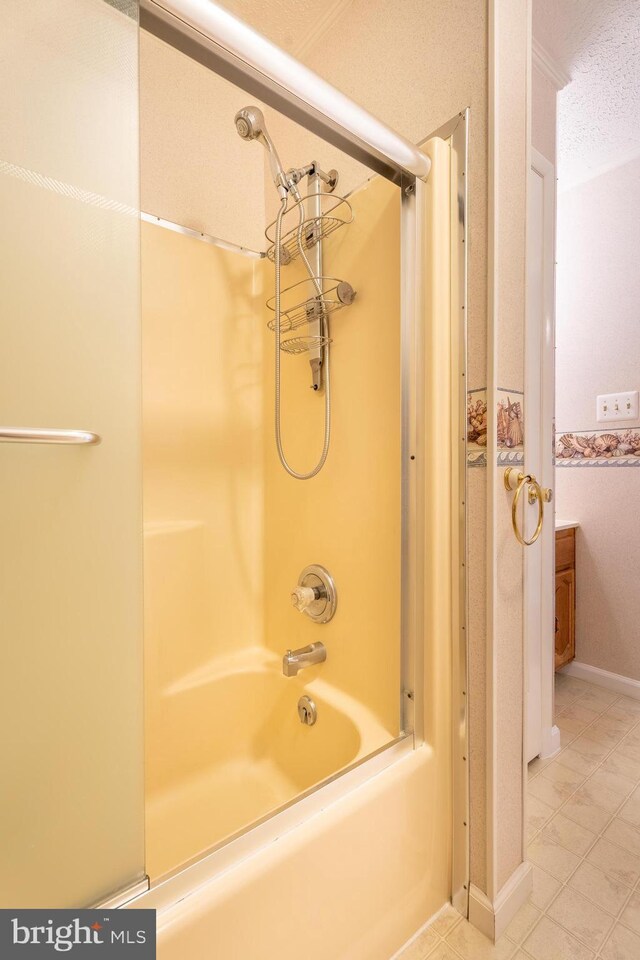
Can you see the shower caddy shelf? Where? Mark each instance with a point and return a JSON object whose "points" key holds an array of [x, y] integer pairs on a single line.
{"points": [[301, 304], [302, 344], [336, 212]]}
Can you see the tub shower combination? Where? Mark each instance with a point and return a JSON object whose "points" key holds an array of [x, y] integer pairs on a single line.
{"points": [[240, 730]]}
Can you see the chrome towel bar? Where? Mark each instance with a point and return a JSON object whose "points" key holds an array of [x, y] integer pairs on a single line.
{"points": [[20, 435]]}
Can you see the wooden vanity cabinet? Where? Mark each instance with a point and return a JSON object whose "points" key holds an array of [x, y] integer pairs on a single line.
{"points": [[565, 640]]}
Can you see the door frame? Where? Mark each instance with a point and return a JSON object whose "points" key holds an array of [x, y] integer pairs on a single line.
{"points": [[539, 403]]}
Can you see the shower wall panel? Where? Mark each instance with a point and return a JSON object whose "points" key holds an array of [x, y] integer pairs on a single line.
{"points": [[203, 482], [348, 517], [227, 531], [203, 448]]}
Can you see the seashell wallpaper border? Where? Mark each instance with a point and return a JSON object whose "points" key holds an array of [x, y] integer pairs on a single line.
{"points": [[617, 447], [477, 425], [510, 427]]}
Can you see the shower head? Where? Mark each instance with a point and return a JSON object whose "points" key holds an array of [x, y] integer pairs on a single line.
{"points": [[250, 123], [251, 126]]}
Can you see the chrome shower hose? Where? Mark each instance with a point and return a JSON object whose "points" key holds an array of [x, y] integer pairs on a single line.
{"points": [[325, 332]]}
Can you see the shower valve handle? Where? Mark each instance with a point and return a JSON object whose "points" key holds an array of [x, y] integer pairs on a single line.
{"points": [[315, 594], [302, 597]]}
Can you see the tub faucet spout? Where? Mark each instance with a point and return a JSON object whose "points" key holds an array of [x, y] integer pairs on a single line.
{"points": [[295, 660]]}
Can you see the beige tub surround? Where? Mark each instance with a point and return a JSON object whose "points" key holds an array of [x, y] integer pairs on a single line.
{"points": [[227, 748], [203, 490], [227, 531], [349, 517]]}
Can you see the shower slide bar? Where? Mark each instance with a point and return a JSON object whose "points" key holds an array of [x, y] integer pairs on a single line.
{"points": [[24, 435], [214, 37]]}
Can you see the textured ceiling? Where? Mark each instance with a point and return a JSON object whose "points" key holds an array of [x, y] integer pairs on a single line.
{"points": [[597, 42]]}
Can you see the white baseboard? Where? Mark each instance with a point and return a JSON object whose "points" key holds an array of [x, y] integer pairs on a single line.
{"points": [[612, 681], [492, 919]]}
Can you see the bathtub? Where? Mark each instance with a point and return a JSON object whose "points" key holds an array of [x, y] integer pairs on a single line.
{"points": [[349, 872], [225, 748]]}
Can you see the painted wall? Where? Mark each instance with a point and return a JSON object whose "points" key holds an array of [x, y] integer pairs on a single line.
{"points": [[543, 114], [196, 167], [598, 344]]}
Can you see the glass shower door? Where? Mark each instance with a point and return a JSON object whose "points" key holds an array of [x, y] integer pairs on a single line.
{"points": [[71, 803]]}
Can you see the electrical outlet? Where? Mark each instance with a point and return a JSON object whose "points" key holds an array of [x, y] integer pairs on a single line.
{"points": [[617, 406]]}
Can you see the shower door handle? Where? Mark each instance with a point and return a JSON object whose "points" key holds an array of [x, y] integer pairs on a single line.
{"points": [[25, 435]]}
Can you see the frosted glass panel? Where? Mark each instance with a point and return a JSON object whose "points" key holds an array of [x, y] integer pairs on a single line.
{"points": [[71, 803]]}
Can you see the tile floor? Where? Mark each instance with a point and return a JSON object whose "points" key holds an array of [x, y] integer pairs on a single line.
{"points": [[584, 844]]}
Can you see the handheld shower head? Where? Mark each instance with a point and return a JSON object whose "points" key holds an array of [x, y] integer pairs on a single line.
{"points": [[250, 125]]}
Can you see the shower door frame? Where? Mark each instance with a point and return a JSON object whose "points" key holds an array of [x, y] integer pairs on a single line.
{"points": [[413, 451]]}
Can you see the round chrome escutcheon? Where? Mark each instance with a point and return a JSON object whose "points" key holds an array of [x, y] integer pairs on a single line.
{"points": [[307, 711], [319, 579]]}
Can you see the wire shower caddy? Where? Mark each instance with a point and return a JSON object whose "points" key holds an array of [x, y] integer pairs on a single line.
{"points": [[334, 213], [302, 303]]}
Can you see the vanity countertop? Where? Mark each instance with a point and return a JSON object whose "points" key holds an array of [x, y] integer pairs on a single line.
{"points": [[567, 525]]}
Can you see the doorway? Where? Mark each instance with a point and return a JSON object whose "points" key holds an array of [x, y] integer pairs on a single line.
{"points": [[582, 341], [542, 737]]}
